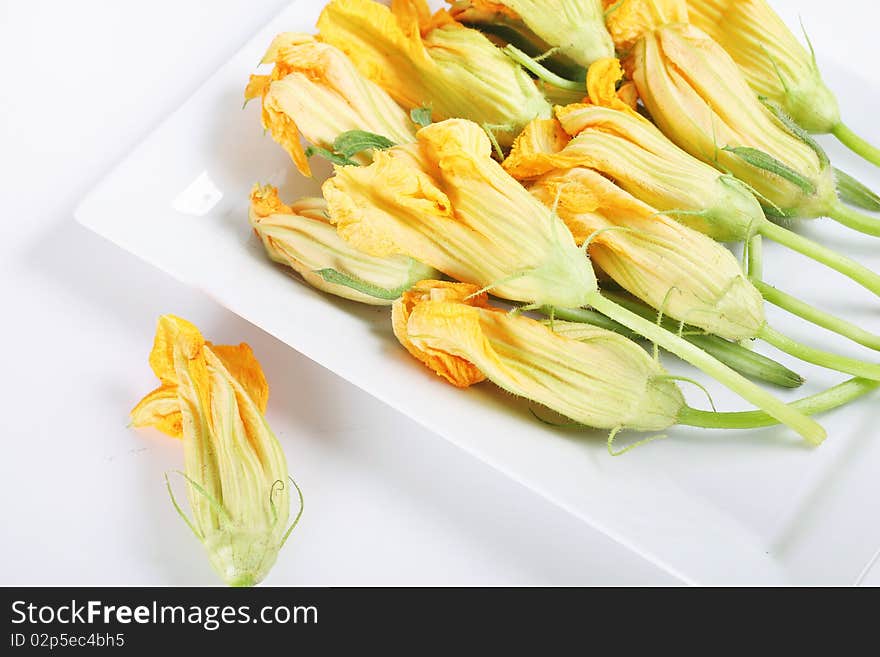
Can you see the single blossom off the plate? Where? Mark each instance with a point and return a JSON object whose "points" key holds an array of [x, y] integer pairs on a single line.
{"points": [[640, 159], [575, 28], [597, 378], [628, 20], [671, 267], [700, 100], [774, 62], [445, 202], [316, 91], [434, 61], [303, 237], [214, 399]]}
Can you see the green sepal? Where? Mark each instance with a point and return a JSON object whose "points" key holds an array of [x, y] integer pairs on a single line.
{"points": [[789, 124], [855, 193], [422, 116], [338, 278], [350, 143], [761, 160], [335, 158]]}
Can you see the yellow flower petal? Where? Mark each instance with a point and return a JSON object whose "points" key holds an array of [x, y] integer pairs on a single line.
{"points": [[457, 371], [629, 20], [533, 149], [244, 367], [160, 409], [602, 79]]}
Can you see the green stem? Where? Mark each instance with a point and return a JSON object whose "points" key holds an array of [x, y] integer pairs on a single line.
{"points": [[819, 357], [809, 429], [856, 144], [846, 266], [818, 317], [755, 249], [745, 361], [856, 220], [822, 403], [541, 72]]}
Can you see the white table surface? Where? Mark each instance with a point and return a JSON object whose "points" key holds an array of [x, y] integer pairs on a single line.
{"points": [[83, 496]]}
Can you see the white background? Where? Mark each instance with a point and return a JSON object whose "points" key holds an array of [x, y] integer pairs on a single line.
{"points": [[83, 496]]}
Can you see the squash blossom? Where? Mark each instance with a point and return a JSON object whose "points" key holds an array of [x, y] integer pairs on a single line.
{"points": [[610, 138], [593, 376], [303, 237], [628, 20], [776, 65], [641, 160], [434, 61], [445, 202], [600, 379], [700, 100], [316, 91], [679, 271], [214, 398], [573, 29]]}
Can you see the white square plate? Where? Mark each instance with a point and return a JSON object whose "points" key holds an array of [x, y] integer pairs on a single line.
{"points": [[709, 507]]}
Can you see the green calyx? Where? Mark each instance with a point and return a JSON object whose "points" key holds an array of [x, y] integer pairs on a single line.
{"points": [[350, 144]]}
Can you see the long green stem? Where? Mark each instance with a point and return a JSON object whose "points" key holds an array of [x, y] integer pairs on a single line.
{"points": [[809, 429], [856, 220], [819, 357], [816, 316], [755, 250], [846, 266], [856, 144], [822, 403], [741, 359], [541, 72]]}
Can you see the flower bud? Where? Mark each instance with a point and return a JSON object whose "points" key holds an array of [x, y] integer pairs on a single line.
{"points": [[314, 89], [575, 29], [423, 60], [213, 398], [302, 237], [597, 378], [640, 159], [699, 99], [445, 202], [772, 59], [671, 267]]}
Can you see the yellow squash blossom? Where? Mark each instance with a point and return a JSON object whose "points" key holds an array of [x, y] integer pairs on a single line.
{"points": [[774, 62], [214, 398], [302, 237], [640, 159], [316, 91], [628, 20], [575, 29], [601, 379], [425, 61], [447, 203], [679, 271], [698, 97]]}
